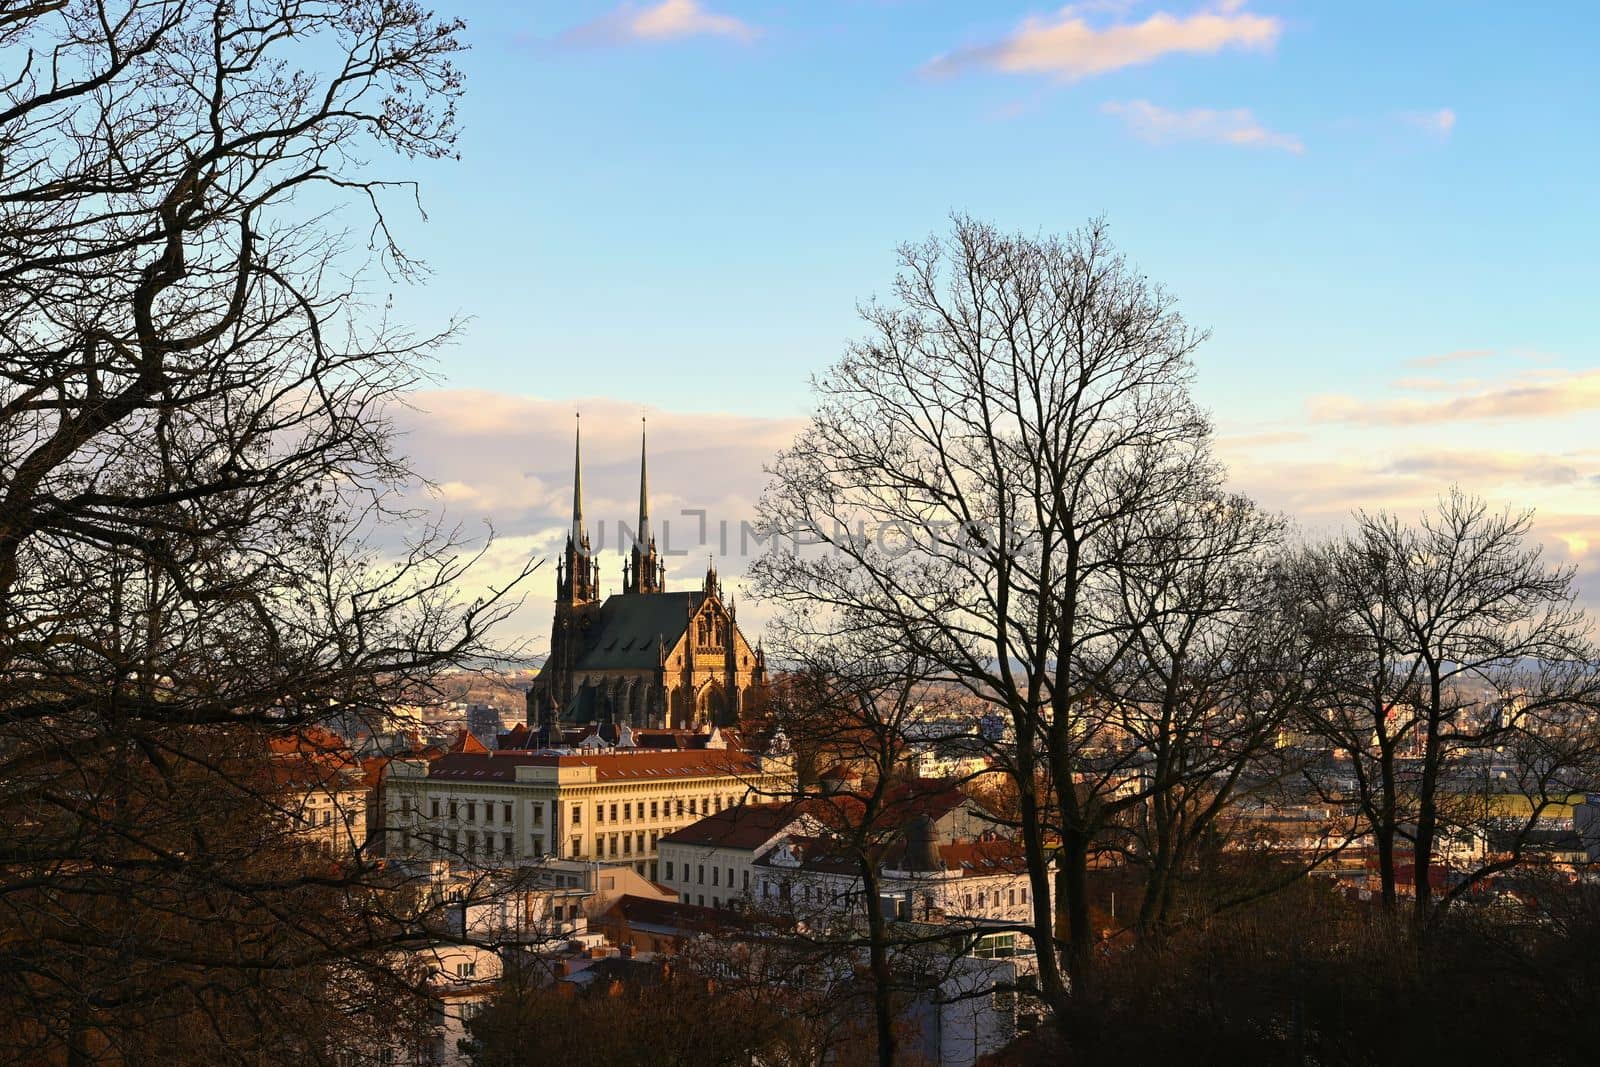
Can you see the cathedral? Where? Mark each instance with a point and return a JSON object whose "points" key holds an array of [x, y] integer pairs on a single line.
{"points": [[646, 657]]}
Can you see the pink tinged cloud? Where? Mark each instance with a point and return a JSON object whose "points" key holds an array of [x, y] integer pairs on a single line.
{"points": [[1459, 356], [1527, 397], [1440, 122], [1489, 468], [1067, 48], [1239, 126], [666, 21]]}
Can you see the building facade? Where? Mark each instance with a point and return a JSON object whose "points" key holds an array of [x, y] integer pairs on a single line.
{"points": [[321, 791], [940, 856], [709, 863], [608, 804], [646, 656]]}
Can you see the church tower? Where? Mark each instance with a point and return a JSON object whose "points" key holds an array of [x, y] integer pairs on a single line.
{"points": [[642, 657], [577, 602], [645, 572], [577, 572]]}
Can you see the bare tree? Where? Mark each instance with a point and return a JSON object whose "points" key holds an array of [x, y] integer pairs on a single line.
{"points": [[197, 543], [1467, 675], [966, 484], [1221, 659], [860, 707]]}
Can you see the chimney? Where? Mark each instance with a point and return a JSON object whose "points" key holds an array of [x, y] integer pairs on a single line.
{"points": [[921, 852]]}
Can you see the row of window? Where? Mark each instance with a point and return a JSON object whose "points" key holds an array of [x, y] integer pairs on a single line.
{"points": [[819, 894], [700, 875], [310, 817], [608, 844], [468, 845], [629, 810], [470, 807]]}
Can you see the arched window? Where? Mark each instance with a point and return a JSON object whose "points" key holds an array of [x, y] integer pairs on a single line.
{"points": [[712, 705]]}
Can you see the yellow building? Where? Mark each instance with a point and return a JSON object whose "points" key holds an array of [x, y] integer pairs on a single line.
{"points": [[609, 804], [319, 786]]}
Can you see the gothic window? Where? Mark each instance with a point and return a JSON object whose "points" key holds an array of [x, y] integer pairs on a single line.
{"points": [[712, 705]]}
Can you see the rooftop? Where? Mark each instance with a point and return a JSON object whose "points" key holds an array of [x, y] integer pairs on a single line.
{"points": [[969, 859], [743, 826], [668, 917], [631, 629], [635, 764]]}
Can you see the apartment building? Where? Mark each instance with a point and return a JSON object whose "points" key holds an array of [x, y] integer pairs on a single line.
{"points": [[608, 804], [318, 786]]}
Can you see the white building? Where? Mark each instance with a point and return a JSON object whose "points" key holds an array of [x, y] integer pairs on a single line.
{"points": [[709, 862], [917, 880], [790, 856]]}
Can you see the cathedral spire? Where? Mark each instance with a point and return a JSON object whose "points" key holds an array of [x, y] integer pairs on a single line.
{"points": [[577, 482], [577, 576], [645, 575], [643, 536]]}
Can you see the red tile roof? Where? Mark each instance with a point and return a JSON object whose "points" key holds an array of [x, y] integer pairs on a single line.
{"points": [[972, 859], [609, 766], [933, 797], [669, 916], [312, 757], [309, 741], [743, 826], [466, 742]]}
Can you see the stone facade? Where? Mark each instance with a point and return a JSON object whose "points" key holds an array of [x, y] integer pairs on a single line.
{"points": [[609, 804], [646, 657]]}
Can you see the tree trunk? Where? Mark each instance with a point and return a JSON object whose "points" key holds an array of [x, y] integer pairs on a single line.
{"points": [[1383, 826], [1074, 877], [1383, 841], [1427, 806], [878, 954], [1153, 905], [1052, 984]]}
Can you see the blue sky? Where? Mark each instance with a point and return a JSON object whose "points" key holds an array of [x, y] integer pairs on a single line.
{"points": [[709, 203], [676, 205]]}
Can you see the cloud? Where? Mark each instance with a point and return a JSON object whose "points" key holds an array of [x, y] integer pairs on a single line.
{"points": [[1489, 468], [1067, 48], [1439, 123], [507, 460], [666, 21], [1458, 356], [1263, 439], [1321, 486], [1531, 395], [1239, 126]]}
